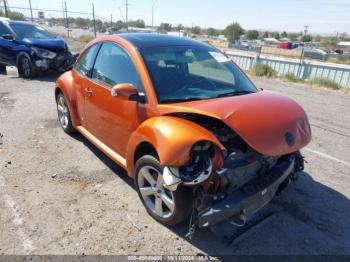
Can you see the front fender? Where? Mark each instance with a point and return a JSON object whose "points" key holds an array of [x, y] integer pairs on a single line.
{"points": [[65, 84], [172, 138]]}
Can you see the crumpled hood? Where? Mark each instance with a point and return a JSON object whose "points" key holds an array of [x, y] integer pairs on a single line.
{"points": [[270, 123], [54, 44]]}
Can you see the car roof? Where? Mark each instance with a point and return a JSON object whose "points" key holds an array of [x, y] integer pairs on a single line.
{"points": [[14, 22], [146, 40]]}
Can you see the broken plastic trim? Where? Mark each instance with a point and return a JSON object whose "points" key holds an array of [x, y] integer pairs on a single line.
{"points": [[199, 169]]}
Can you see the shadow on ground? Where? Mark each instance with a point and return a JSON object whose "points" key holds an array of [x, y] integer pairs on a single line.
{"points": [[312, 219]]}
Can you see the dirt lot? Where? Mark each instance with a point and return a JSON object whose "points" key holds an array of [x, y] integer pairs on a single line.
{"points": [[61, 195]]}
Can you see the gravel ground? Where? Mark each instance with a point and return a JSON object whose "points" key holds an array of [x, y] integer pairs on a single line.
{"points": [[61, 195]]}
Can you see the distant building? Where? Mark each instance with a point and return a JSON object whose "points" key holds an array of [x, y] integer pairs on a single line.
{"points": [[178, 33], [41, 15], [344, 44]]}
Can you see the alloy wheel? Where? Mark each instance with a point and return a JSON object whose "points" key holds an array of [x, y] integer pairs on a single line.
{"points": [[63, 114], [156, 198], [26, 66]]}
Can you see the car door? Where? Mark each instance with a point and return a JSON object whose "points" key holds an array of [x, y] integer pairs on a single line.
{"points": [[7, 52], [81, 72], [111, 119]]}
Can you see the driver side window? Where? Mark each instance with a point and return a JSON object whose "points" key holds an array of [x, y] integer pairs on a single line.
{"points": [[114, 66], [85, 63]]}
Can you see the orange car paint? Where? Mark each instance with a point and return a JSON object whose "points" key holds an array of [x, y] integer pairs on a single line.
{"points": [[118, 126]]}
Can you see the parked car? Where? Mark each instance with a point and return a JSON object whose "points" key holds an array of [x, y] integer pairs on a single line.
{"points": [[186, 123], [32, 49]]}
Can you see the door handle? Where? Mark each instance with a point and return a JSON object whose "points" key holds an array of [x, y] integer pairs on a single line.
{"points": [[88, 92]]}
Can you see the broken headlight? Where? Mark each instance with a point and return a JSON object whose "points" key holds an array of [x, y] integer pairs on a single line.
{"points": [[43, 53], [200, 166]]}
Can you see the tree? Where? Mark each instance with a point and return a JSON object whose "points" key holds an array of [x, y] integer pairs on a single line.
{"points": [[212, 32], [266, 35], [277, 35], [306, 38], [196, 30], [252, 34], [180, 27], [119, 24], [284, 34], [82, 22], [164, 27], [317, 38], [233, 31], [14, 15], [293, 36], [137, 23]]}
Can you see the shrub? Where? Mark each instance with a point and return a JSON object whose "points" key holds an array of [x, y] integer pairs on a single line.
{"points": [[85, 38], [291, 77], [263, 70], [324, 82], [339, 60]]}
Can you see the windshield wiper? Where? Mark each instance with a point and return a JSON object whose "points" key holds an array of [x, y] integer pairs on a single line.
{"points": [[178, 100], [236, 93]]}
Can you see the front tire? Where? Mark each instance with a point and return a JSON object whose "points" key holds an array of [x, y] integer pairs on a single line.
{"points": [[64, 114], [26, 67], [168, 208]]}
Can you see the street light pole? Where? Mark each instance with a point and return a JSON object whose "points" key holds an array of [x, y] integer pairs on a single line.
{"points": [[153, 12]]}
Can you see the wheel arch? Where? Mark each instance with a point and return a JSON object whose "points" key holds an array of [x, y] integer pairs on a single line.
{"points": [[170, 137], [18, 59]]}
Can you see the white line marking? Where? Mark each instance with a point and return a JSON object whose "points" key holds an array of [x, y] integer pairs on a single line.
{"points": [[327, 156], [17, 219]]}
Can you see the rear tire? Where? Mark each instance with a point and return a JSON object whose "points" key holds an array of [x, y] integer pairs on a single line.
{"points": [[168, 208], [64, 114]]}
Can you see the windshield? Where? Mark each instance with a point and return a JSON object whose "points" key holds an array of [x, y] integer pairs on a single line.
{"points": [[30, 31], [182, 73]]}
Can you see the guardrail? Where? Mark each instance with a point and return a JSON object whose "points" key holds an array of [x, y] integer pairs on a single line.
{"points": [[302, 69]]}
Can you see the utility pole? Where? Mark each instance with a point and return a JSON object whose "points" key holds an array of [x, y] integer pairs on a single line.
{"points": [[67, 22], [306, 30], [153, 13], [6, 11], [93, 17], [111, 20], [31, 11], [126, 14]]}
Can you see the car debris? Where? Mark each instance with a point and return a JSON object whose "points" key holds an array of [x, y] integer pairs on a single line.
{"points": [[12, 71]]}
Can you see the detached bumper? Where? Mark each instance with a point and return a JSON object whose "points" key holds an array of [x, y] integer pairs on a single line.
{"points": [[250, 198]]}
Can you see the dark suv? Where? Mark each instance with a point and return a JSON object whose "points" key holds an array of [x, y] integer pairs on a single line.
{"points": [[32, 48]]}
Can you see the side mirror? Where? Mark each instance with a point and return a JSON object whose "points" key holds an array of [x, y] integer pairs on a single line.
{"points": [[127, 91], [8, 37]]}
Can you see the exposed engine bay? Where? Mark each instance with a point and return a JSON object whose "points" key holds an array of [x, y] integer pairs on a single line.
{"points": [[241, 174]]}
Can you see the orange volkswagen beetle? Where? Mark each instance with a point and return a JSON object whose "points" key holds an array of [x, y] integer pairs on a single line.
{"points": [[186, 123]]}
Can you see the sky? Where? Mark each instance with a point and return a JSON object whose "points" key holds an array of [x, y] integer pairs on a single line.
{"points": [[323, 16]]}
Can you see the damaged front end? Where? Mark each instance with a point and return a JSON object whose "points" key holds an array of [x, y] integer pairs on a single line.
{"points": [[58, 60], [232, 186]]}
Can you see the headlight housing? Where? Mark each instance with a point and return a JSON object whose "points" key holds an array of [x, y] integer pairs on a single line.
{"points": [[43, 53]]}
